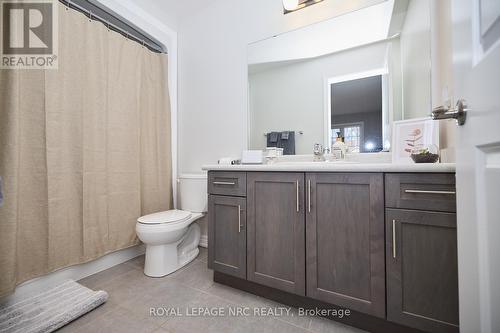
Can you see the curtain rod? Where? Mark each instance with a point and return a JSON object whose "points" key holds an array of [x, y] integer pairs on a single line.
{"points": [[146, 42]]}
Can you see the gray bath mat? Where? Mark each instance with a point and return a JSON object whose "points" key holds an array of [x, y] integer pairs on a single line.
{"points": [[51, 309]]}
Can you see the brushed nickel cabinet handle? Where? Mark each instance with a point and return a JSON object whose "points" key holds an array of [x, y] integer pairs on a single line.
{"points": [[224, 183], [394, 238], [309, 195], [430, 192], [297, 190], [239, 218]]}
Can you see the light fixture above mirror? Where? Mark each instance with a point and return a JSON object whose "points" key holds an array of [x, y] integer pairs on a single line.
{"points": [[293, 5]]}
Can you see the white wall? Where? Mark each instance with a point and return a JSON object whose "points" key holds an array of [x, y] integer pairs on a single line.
{"points": [[213, 71], [212, 88], [442, 75], [292, 97], [415, 59]]}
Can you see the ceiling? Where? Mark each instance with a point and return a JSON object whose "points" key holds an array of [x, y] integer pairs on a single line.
{"points": [[356, 28], [172, 12], [357, 96]]}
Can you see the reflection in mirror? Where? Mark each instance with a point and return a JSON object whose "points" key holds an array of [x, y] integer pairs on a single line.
{"points": [[356, 113], [350, 76]]}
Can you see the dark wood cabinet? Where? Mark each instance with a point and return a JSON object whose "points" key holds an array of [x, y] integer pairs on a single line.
{"points": [[320, 239], [276, 230], [429, 191], [345, 240], [227, 183], [227, 235], [422, 275]]}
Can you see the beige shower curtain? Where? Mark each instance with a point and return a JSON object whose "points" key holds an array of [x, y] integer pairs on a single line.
{"points": [[84, 151]]}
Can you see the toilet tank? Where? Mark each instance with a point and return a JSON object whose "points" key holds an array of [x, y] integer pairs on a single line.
{"points": [[193, 192]]}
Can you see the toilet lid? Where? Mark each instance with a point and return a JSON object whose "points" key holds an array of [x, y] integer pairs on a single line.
{"points": [[169, 216]]}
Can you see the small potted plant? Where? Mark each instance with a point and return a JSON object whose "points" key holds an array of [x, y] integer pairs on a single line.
{"points": [[425, 154]]}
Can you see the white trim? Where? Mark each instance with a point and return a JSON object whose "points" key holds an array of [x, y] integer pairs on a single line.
{"points": [[327, 137], [76, 273], [478, 49], [129, 11], [358, 75], [248, 117], [386, 113], [328, 81], [203, 241]]}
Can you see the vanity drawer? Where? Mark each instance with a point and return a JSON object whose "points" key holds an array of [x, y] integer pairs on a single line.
{"points": [[425, 191], [227, 183]]}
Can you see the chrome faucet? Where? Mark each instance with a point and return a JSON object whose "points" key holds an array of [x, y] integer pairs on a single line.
{"points": [[319, 152]]}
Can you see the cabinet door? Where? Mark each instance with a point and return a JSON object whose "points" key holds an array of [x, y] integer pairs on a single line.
{"points": [[345, 240], [227, 235], [276, 238], [422, 275]]}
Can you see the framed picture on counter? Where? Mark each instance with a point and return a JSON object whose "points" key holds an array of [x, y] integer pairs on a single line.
{"points": [[413, 133]]}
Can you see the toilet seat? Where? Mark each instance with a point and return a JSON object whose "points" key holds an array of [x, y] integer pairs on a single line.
{"points": [[172, 216]]}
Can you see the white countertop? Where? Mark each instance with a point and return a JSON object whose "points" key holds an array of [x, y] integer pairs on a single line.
{"points": [[335, 167]]}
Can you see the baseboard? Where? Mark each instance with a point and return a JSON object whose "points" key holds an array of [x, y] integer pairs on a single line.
{"points": [[76, 272], [203, 241], [356, 319]]}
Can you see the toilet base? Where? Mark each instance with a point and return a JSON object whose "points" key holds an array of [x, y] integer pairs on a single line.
{"points": [[165, 259]]}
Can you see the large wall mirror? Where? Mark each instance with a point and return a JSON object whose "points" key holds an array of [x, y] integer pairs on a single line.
{"points": [[350, 76]]}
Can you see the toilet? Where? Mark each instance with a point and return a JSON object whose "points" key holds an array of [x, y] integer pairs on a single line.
{"points": [[171, 237]]}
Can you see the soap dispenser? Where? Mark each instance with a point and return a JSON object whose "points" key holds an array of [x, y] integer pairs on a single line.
{"points": [[339, 148]]}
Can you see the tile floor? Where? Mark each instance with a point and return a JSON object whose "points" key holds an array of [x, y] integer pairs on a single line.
{"points": [[132, 294]]}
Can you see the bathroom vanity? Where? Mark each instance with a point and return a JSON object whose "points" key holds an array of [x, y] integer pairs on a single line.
{"points": [[378, 239]]}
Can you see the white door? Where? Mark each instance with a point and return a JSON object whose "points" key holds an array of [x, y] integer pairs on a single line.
{"points": [[476, 70]]}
